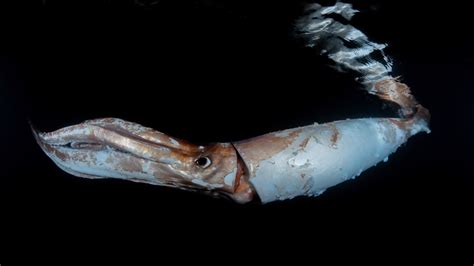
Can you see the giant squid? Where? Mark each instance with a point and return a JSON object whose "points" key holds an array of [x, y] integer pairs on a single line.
{"points": [[281, 165]]}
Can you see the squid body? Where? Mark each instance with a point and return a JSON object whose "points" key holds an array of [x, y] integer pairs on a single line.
{"points": [[281, 165]]}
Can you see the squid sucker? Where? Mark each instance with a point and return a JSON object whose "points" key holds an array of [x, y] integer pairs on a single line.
{"points": [[302, 161]]}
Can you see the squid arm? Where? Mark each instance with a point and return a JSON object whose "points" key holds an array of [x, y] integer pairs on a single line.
{"points": [[302, 161]]}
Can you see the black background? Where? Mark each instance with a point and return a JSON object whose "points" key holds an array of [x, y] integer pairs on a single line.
{"points": [[215, 71]]}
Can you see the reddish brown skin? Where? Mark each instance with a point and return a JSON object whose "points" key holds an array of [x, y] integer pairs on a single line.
{"points": [[334, 135], [394, 91], [268, 145], [243, 191]]}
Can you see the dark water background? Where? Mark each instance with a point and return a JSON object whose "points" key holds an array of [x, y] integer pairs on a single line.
{"points": [[179, 66]]}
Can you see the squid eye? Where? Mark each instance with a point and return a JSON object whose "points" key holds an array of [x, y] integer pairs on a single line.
{"points": [[203, 162]]}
